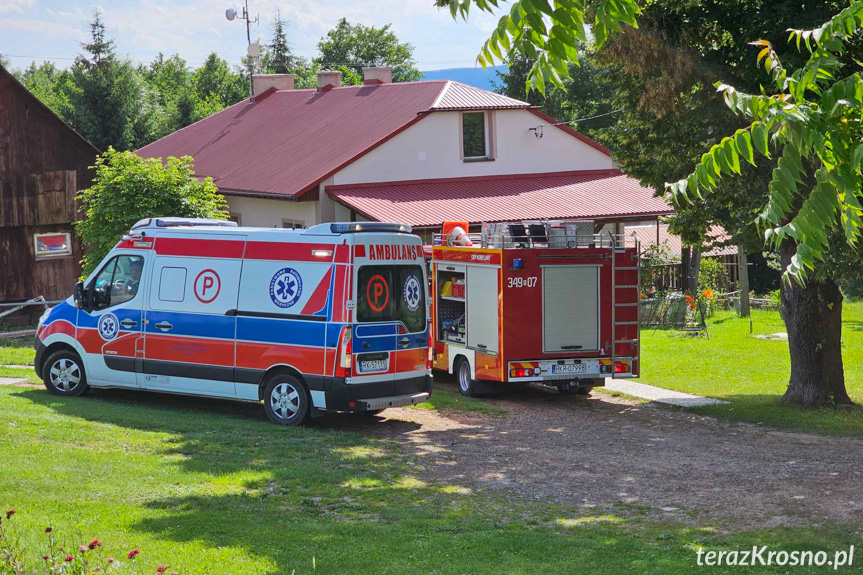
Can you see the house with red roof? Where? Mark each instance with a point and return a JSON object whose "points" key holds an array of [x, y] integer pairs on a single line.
{"points": [[414, 152]]}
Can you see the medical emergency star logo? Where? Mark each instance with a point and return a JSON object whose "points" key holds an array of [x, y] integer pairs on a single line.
{"points": [[286, 287], [412, 293], [109, 327]]}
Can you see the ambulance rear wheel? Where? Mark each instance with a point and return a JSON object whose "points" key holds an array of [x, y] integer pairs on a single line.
{"points": [[286, 400], [466, 383], [63, 374], [584, 390]]}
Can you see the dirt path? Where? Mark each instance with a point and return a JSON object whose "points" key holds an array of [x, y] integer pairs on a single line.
{"points": [[602, 450]]}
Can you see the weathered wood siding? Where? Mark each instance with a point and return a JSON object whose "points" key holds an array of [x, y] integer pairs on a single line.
{"points": [[43, 164]]}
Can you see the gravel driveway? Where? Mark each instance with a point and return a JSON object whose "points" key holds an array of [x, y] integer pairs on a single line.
{"points": [[602, 450]]}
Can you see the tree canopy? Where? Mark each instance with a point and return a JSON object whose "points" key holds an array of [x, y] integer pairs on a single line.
{"points": [[128, 188], [351, 47]]}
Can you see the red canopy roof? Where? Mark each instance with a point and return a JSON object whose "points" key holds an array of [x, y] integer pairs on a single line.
{"points": [[590, 194], [287, 142]]}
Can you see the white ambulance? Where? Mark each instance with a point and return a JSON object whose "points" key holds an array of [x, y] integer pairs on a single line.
{"points": [[333, 318]]}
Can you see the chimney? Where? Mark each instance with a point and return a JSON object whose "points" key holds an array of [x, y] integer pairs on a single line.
{"points": [[329, 79], [378, 75], [263, 82]]}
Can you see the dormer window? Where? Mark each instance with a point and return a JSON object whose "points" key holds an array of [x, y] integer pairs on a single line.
{"points": [[477, 136]]}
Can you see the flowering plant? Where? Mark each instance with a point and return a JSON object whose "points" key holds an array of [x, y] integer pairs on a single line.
{"points": [[83, 559]]}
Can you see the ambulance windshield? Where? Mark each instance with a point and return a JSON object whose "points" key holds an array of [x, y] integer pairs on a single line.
{"points": [[392, 293]]}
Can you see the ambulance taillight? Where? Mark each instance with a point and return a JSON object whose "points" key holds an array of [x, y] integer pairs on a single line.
{"points": [[343, 367]]}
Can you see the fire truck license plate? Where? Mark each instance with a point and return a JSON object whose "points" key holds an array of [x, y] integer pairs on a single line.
{"points": [[373, 366], [569, 368]]}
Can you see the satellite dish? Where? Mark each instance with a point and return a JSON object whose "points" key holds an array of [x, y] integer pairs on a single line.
{"points": [[254, 50], [230, 14]]}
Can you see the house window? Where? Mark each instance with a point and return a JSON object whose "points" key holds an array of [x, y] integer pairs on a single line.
{"points": [[474, 141], [293, 224], [235, 218], [52, 245]]}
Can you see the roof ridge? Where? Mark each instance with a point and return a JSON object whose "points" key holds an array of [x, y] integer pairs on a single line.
{"points": [[442, 93]]}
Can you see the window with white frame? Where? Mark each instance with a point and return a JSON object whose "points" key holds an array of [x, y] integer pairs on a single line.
{"points": [[52, 245], [289, 224], [474, 136]]}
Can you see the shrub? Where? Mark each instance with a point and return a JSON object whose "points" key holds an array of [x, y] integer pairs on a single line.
{"points": [[128, 188]]}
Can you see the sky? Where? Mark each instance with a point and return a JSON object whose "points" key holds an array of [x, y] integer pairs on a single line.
{"points": [[53, 29]]}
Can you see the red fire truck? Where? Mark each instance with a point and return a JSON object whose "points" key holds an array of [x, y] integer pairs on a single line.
{"points": [[538, 302]]}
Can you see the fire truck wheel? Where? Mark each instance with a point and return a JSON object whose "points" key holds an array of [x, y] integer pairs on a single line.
{"points": [[466, 384], [63, 374], [286, 400]]}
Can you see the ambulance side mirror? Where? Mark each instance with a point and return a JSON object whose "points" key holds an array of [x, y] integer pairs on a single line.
{"points": [[82, 298]]}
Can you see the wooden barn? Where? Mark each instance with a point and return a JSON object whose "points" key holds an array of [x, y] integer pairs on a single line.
{"points": [[43, 164]]}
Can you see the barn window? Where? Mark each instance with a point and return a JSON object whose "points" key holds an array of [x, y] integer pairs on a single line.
{"points": [[52, 245]]}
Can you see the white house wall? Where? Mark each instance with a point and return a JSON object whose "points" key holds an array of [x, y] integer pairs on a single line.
{"points": [[430, 149], [263, 213]]}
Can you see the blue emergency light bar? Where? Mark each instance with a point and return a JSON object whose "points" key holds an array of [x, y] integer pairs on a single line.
{"points": [[358, 227]]}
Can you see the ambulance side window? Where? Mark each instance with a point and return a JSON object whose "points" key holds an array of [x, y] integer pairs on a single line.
{"points": [[118, 282], [172, 284]]}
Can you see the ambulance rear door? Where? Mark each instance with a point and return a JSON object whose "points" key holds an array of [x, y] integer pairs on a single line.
{"points": [[390, 339]]}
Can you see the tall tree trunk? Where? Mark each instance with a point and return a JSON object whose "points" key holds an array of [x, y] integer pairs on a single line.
{"points": [[813, 319], [694, 269], [743, 278], [685, 253]]}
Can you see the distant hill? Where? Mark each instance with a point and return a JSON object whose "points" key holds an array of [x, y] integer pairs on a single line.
{"points": [[476, 77]]}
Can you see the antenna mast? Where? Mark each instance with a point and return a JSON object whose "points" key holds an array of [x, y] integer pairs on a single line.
{"points": [[231, 14]]}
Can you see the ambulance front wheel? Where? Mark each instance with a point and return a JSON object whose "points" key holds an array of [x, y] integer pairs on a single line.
{"points": [[466, 383], [286, 400], [63, 374]]}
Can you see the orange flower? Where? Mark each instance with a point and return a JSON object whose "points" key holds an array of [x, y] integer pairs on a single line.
{"points": [[708, 294], [690, 300], [691, 306]]}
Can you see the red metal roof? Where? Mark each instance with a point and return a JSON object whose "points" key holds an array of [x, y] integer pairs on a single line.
{"points": [[457, 96], [715, 235], [588, 194], [287, 142]]}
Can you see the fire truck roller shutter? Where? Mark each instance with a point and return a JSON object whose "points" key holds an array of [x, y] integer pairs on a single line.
{"points": [[570, 312], [482, 307]]}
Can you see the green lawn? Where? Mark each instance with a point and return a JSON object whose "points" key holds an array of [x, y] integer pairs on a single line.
{"points": [[749, 372], [17, 351], [212, 487]]}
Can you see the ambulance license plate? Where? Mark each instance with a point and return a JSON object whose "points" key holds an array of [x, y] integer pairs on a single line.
{"points": [[569, 368], [373, 366]]}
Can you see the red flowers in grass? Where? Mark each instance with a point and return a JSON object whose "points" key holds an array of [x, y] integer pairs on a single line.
{"points": [[111, 559], [82, 548], [48, 530], [69, 558], [132, 553], [94, 543], [161, 569], [10, 513]]}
